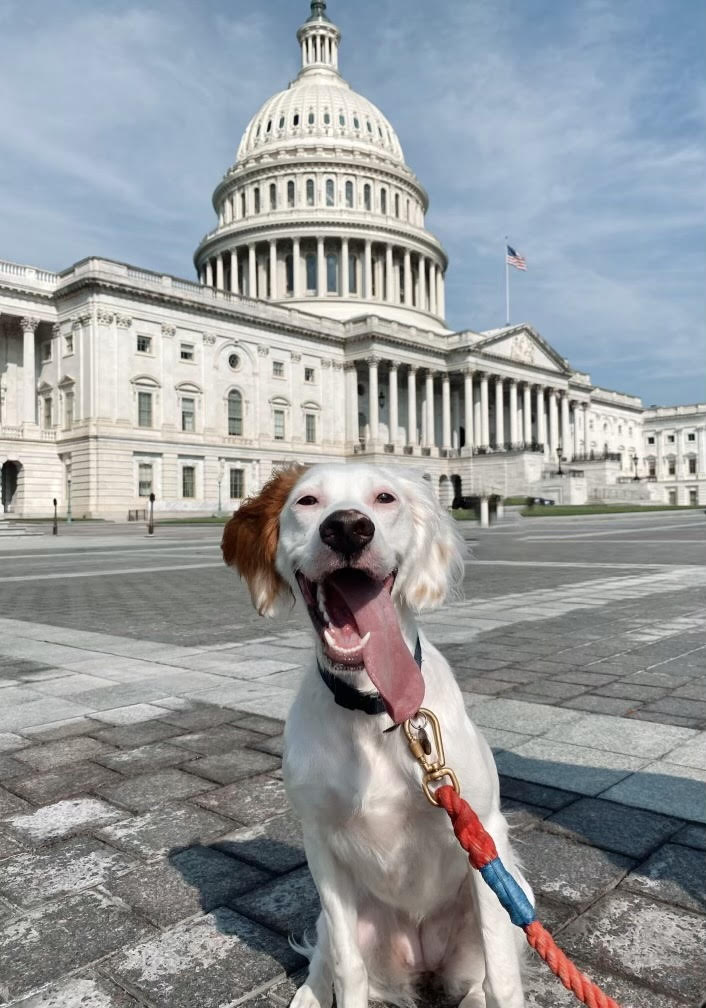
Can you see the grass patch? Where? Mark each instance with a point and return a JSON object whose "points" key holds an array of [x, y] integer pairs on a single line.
{"points": [[556, 510], [464, 514], [515, 501]]}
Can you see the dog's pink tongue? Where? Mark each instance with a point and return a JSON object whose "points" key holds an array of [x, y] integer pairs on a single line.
{"points": [[387, 658]]}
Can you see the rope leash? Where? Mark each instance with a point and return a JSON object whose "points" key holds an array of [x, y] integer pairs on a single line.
{"points": [[483, 855]]}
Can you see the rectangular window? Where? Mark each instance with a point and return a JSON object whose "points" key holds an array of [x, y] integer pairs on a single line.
{"points": [[692, 467], [671, 496], [279, 424], [144, 409], [670, 439], [186, 351], [188, 410], [188, 481], [69, 343], [144, 479], [47, 413], [652, 470], [671, 467], [144, 344], [69, 410], [237, 484], [691, 437], [693, 497], [278, 368], [310, 421], [651, 439], [46, 351], [309, 375]]}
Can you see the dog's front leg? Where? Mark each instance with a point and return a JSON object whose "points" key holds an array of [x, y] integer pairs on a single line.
{"points": [[337, 955]]}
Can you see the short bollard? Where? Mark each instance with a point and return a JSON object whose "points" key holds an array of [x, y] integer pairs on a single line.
{"points": [[150, 524], [55, 527]]}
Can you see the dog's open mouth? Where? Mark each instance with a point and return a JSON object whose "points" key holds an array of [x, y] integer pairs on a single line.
{"points": [[357, 623]]}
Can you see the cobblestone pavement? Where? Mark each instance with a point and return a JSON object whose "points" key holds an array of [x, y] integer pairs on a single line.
{"points": [[147, 856]]}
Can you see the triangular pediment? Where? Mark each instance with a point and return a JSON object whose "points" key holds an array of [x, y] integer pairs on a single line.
{"points": [[523, 345]]}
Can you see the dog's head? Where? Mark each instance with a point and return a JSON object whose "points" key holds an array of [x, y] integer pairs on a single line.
{"points": [[360, 545]]}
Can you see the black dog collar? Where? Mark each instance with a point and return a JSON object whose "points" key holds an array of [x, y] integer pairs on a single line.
{"points": [[352, 699]]}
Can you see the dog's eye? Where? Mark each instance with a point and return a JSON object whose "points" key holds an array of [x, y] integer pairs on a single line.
{"points": [[307, 500], [385, 498]]}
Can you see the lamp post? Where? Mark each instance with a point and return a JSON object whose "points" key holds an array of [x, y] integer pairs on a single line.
{"points": [[55, 526], [68, 499], [221, 471], [635, 461], [150, 525], [560, 471]]}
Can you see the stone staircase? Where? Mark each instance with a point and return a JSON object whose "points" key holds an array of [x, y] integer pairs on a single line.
{"points": [[14, 529]]}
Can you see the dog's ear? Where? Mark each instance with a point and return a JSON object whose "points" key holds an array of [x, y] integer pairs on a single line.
{"points": [[433, 571], [250, 540]]}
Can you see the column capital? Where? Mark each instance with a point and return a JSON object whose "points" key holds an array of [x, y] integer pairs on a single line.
{"points": [[393, 365], [499, 379], [350, 365], [413, 368], [28, 323], [468, 371], [445, 377], [372, 361]]}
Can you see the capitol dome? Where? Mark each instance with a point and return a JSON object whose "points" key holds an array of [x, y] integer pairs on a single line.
{"points": [[320, 209]]}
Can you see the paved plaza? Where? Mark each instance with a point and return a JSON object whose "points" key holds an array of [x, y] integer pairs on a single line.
{"points": [[147, 854]]}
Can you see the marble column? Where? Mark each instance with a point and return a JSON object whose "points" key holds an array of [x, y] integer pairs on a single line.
{"points": [[412, 405], [393, 404], [352, 432], [320, 268], [432, 288], [423, 296], [345, 268], [484, 414], [274, 293], [209, 273], [373, 398], [368, 270], [389, 275], [514, 439], [499, 413], [527, 414], [577, 432], [219, 271], [234, 281], [430, 432], [585, 427], [553, 425], [441, 295], [541, 426], [407, 278], [29, 365], [296, 268], [468, 406], [252, 272], [445, 411], [565, 431]]}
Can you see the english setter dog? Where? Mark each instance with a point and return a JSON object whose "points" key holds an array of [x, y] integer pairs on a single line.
{"points": [[365, 548]]}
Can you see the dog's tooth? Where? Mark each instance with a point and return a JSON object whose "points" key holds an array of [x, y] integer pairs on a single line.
{"points": [[364, 640], [328, 637]]}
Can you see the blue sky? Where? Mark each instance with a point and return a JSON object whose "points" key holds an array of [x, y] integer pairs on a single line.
{"points": [[574, 126]]}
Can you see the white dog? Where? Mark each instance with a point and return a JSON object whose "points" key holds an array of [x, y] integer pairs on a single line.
{"points": [[365, 548]]}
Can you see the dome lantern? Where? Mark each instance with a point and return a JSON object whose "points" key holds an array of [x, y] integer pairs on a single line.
{"points": [[319, 39]]}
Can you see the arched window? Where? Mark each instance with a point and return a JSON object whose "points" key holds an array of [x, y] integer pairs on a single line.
{"points": [[311, 118], [356, 122], [273, 196], [235, 413], [256, 199], [290, 193], [289, 273], [269, 126], [242, 204], [295, 119], [330, 192], [327, 118], [310, 192], [281, 122], [311, 272], [353, 274], [332, 273], [341, 119], [349, 194], [397, 204], [383, 201], [367, 196]]}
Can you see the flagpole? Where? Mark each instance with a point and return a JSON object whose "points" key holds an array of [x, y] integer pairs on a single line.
{"points": [[507, 286]]}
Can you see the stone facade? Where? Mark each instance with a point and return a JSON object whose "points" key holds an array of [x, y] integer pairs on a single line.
{"points": [[316, 331]]}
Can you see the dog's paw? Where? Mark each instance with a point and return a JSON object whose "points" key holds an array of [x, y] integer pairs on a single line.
{"points": [[305, 998]]}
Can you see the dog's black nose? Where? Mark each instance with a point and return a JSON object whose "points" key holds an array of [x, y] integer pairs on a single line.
{"points": [[347, 531]]}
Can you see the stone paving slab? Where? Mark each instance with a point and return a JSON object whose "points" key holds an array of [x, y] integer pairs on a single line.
{"points": [[147, 791], [211, 962], [560, 764], [154, 833], [674, 874], [61, 820], [45, 944], [87, 991], [613, 827], [288, 904], [70, 782], [664, 787]]}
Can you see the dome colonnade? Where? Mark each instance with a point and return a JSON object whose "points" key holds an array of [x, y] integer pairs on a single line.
{"points": [[320, 207]]}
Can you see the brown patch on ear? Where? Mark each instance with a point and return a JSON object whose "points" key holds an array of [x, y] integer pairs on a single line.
{"points": [[251, 536]]}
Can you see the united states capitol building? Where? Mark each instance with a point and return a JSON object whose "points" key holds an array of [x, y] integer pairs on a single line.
{"points": [[314, 330]]}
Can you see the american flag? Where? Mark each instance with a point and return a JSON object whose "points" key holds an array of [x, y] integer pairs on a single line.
{"points": [[513, 259]]}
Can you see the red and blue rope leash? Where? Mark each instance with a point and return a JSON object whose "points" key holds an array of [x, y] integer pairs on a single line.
{"points": [[483, 855]]}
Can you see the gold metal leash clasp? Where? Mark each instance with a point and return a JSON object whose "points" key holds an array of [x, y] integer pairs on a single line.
{"points": [[429, 754]]}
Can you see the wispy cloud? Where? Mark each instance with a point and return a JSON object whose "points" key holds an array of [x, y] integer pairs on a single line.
{"points": [[575, 128]]}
